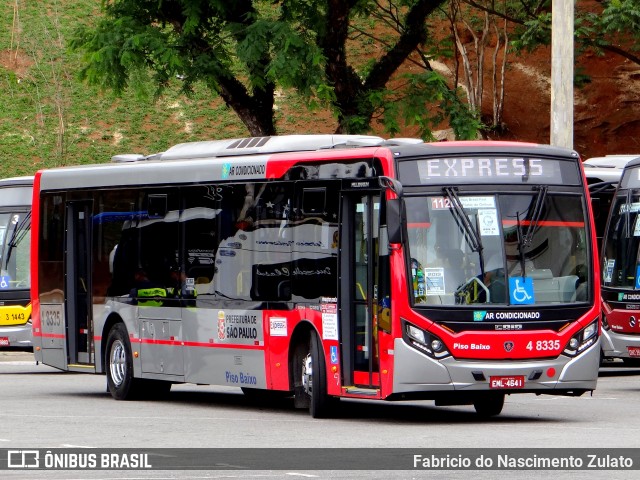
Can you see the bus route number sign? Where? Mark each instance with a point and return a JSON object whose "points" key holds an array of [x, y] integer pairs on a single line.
{"points": [[514, 381]]}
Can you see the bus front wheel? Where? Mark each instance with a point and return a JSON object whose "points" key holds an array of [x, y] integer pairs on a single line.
{"points": [[489, 405], [120, 381]]}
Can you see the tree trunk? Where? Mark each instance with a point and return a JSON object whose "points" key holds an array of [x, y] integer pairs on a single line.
{"points": [[255, 111]]}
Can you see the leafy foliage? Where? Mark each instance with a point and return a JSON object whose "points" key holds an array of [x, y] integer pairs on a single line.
{"points": [[595, 27], [244, 50]]}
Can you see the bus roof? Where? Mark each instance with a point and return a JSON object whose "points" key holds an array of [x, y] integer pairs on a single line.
{"points": [[256, 146], [253, 158], [16, 191], [610, 161], [633, 163], [16, 181], [601, 174]]}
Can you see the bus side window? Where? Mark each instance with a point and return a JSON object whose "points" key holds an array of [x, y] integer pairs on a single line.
{"points": [[204, 222]]}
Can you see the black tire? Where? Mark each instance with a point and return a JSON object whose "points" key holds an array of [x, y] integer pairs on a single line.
{"points": [[119, 366], [489, 405], [320, 401]]}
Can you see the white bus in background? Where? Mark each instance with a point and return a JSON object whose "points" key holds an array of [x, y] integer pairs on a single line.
{"points": [[621, 272], [603, 175], [15, 275]]}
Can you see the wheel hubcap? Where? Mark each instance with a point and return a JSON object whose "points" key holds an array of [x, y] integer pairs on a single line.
{"points": [[118, 363], [307, 371]]}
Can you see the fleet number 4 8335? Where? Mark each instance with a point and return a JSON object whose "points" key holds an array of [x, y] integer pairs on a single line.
{"points": [[543, 345]]}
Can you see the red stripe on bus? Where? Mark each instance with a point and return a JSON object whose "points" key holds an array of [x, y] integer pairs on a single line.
{"points": [[50, 335], [222, 345], [545, 223], [179, 343]]}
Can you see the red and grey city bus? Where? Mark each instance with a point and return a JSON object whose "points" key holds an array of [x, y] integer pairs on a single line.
{"points": [[322, 267], [621, 271], [15, 271]]}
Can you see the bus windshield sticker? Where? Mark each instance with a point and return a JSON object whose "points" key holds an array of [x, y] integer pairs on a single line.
{"points": [[637, 287], [329, 321], [434, 278], [278, 326], [478, 202], [608, 272], [630, 207], [521, 290], [444, 203], [488, 220]]}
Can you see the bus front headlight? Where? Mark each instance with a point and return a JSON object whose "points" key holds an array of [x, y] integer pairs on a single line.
{"points": [[582, 340], [424, 341]]}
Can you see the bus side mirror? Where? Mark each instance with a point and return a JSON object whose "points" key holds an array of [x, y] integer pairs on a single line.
{"points": [[394, 220]]}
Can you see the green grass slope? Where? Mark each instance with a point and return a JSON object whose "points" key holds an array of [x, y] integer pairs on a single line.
{"points": [[49, 118]]}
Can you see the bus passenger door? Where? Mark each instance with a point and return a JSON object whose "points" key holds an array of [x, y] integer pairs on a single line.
{"points": [[358, 290], [78, 283]]}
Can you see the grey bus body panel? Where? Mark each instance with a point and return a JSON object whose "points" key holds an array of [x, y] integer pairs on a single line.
{"points": [[416, 372], [152, 172], [20, 336], [615, 344], [185, 345]]}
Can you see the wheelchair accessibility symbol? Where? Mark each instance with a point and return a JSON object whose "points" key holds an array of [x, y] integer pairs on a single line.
{"points": [[334, 354], [521, 290], [4, 282], [637, 278]]}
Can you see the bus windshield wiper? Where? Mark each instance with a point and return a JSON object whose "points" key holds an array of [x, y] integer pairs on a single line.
{"points": [[470, 229], [535, 216], [16, 237], [520, 244], [627, 222]]}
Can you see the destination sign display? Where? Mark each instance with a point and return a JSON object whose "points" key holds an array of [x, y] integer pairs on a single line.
{"points": [[449, 170]]}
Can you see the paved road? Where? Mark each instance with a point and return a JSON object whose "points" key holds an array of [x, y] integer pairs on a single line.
{"points": [[46, 409]]}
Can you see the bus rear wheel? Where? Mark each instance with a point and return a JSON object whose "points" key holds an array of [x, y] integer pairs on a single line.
{"points": [[489, 405], [314, 379], [119, 362]]}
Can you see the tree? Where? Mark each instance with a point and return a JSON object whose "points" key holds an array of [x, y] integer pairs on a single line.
{"points": [[361, 93], [243, 49], [599, 26], [482, 28]]}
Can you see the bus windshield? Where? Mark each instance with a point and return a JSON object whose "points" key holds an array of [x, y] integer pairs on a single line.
{"points": [[622, 242], [15, 246], [500, 249]]}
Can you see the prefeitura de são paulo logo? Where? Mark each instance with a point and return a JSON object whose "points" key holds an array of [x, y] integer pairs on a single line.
{"points": [[221, 332]]}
